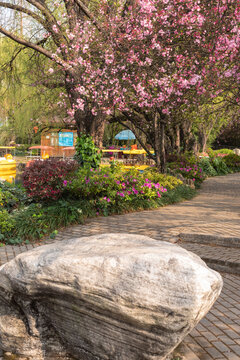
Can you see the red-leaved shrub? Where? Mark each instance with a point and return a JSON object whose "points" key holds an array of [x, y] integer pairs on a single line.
{"points": [[46, 179]]}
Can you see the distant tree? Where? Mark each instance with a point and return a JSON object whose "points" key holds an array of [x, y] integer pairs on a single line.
{"points": [[229, 135], [201, 124], [23, 103], [55, 28]]}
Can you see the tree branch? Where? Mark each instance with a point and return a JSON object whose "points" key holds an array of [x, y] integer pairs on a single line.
{"points": [[85, 10], [49, 21], [50, 85], [23, 10], [46, 23], [44, 10], [138, 138], [126, 6], [136, 134], [37, 48], [9, 63]]}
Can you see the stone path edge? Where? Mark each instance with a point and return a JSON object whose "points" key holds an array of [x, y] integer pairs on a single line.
{"points": [[232, 242], [223, 265]]}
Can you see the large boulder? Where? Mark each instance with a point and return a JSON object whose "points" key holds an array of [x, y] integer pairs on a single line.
{"points": [[111, 297], [237, 151]]}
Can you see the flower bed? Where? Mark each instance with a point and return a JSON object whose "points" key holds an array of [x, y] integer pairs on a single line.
{"points": [[83, 193], [188, 167], [115, 190], [58, 193], [197, 168]]}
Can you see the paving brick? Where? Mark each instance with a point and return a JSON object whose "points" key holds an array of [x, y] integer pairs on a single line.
{"points": [[236, 349], [220, 346], [237, 340], [232, 334], [203, 341], [195, 333], [236, 328], [226, 340], [214, 352], [231, 356], [215, 330], [206, 357], [209, 336]]}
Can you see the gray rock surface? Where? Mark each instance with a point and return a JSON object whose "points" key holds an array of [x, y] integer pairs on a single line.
{"points": [[106, 297]]}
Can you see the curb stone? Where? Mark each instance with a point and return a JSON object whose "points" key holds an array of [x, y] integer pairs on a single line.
{"points": [[223, 265], [232, 242]]}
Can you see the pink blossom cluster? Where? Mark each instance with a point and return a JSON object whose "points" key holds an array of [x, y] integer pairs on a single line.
{"points": [[151, 55]]}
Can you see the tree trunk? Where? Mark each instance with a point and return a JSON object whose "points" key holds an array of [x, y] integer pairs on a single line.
{"points": [[171, 136], [204, 142], [186, 132], [97, 130], [202, 139], [92, 125], [163, 147], [196, 147], [177, 142], [86, 122], [157, 142]]}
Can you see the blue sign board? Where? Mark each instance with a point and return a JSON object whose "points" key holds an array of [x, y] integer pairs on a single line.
{"points": [[65, 139]]}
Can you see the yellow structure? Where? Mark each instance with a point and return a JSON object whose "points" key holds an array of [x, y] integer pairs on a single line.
{"points": [[7, 165], [128, 152], [45, 156]]}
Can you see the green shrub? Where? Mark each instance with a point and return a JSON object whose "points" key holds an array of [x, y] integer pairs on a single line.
{"points": [[214, 166], [115, 183], [192, 172], [223, 151], [37, 221], [211, 153], [232, 161], [207, 167], [186, 159], [21, 150], [12, 196], [114, 190], [220, 166], [187, 165], [181, 192], [87, 154], [168, 181], [6, 222]]}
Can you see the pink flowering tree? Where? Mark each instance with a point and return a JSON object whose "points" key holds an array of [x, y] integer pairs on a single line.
{"points": [[161, 56], [136, 61]]}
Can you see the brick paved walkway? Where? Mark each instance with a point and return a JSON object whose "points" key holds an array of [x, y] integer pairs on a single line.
{"points": [[216, 212]]}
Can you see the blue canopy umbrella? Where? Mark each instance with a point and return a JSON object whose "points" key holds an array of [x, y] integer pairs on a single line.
{"points": [[125, 135]]}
